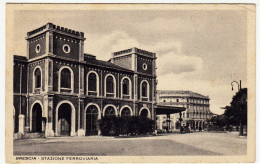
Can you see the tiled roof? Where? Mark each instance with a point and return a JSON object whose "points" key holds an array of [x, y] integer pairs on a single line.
{"points": [[106, 64]]}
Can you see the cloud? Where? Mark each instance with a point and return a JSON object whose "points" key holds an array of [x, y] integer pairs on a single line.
{"points": [[173, 63], [108, 43], [170, 58], [162, 25]]}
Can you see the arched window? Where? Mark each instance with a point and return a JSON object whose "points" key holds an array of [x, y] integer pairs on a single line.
{"points": [[37, 77], [125, 112], [92, 84], [110, 111], [144, 113], [110, 86], [66, 80], [126, 88], [144, 91]]}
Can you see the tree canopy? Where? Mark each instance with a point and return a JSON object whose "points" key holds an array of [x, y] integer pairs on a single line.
{"points": [[238, 108]]}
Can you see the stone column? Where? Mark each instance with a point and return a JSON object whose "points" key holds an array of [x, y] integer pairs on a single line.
{"points": [[21, 123], [168, 122], [180, 120], [81, 131]]}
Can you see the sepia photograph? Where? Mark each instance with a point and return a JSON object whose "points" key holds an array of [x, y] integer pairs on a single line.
{"points": [[154, 82]]}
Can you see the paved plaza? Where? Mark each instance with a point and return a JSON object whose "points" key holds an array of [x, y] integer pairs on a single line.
{"points": [[200, 143]]}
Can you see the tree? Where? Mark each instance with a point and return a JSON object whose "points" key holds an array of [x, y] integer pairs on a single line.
{"points": [[238, 108], [237, 112], [219, 121]]}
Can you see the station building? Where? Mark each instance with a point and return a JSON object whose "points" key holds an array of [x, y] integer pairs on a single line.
{"points": [[196, 114], [60, 90]]}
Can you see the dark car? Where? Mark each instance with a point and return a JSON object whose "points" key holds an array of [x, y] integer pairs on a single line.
{"points": [[185, 129]]}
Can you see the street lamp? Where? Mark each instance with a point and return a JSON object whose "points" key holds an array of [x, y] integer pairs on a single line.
{"points": [[239, 88], [238, 85]]}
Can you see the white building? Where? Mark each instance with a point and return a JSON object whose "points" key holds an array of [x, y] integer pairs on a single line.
{"points": [[197, 109]]}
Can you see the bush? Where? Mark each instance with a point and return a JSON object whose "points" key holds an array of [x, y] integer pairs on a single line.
{"points": [[134, 125], [109, 126]]}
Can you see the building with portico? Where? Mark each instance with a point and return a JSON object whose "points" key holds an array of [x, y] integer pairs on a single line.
{"points": [[197, 109]]}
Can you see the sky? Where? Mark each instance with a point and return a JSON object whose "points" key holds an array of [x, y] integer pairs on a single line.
{"points": [[198, 50]]}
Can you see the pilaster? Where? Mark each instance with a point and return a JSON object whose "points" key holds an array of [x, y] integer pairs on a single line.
{"points": [[135, 87], [48, 108], [81, 50], [48, 75], [49, 40], [27, 127], [81, 80]]}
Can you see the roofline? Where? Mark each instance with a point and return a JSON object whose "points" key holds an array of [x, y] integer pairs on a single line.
{"points": [[79, 62], [190, 95]]}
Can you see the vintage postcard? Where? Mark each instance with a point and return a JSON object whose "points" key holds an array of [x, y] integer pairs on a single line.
{"points": [[130, 83]]}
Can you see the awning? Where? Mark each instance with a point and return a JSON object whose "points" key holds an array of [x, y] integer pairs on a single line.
{"points": [[163, 109]]}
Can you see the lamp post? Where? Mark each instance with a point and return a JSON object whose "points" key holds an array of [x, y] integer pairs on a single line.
{"points": [[239, 88]]}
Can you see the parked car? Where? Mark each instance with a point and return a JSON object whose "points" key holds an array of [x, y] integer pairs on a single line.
{"points": [[185, 129]]}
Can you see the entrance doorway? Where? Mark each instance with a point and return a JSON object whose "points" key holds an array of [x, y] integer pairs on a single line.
{"points": [[37, 118], [64, 118], [91, 120]]}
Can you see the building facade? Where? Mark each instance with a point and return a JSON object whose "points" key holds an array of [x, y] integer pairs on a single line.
{"points": [[197, 109], [60, 90]]}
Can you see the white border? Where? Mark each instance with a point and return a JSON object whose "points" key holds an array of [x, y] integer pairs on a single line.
{"points": [[3, 49]]}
